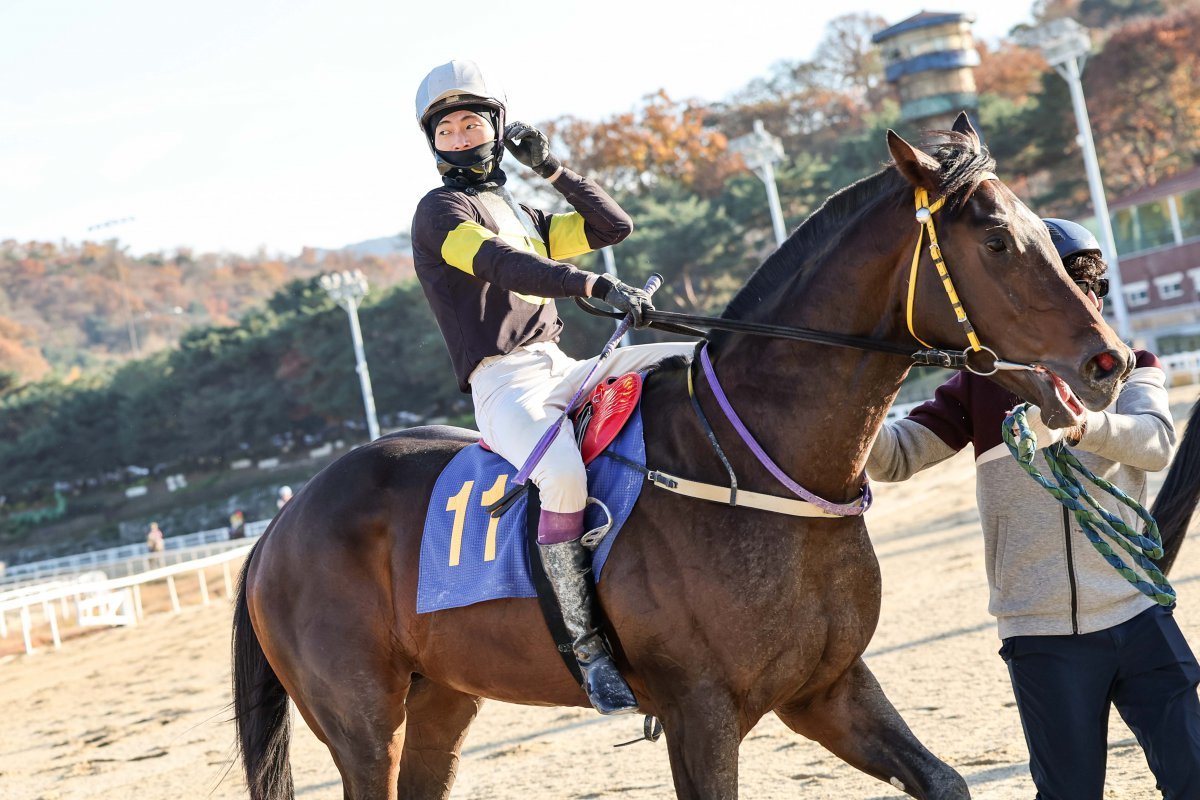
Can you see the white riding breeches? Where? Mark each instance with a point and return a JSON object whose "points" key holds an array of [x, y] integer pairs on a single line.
{"points": [[518, 396]]}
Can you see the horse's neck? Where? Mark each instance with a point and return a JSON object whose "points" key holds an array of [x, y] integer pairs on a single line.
{"points": [[816, 408]]}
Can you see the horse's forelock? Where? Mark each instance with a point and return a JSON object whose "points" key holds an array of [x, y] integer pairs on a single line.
{"points": [[963, 162]]}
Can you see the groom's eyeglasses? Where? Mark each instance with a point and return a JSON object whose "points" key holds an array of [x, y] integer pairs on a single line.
{"points": [[1100, 287]]}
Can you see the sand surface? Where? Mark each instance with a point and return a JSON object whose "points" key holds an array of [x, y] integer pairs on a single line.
{"points": [[143, 712]]}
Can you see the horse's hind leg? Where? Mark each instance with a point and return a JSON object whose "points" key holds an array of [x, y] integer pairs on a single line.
{"points": [[856, 722], [437, 722], [363, 726]]}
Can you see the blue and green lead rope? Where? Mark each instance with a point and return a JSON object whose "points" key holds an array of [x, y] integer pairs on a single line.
{"points": [[1093, 518]]}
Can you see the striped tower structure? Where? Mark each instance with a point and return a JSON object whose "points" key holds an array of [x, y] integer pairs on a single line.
{"points": [[930, 58]]}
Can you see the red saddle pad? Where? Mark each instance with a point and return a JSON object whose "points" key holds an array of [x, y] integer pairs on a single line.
{"points": [[611, 405]]}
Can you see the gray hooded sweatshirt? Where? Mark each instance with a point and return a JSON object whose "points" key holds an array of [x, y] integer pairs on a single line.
{"points": [[1045, 577]]}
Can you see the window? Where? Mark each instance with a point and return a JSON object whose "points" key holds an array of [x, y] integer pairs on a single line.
{"points": [[1155, 221], [1137, 293], [1169, 287], [1124, 229], [1188, 204]]}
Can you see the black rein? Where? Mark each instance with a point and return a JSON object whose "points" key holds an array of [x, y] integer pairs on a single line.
{"points": [[684, 324]]}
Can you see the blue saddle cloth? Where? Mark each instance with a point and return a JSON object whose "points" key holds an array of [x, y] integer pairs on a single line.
{"points": [[468, 557]]}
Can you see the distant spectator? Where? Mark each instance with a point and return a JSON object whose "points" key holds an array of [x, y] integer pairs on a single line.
{"points": [[154, 543], [237, 525], [285, 494]]}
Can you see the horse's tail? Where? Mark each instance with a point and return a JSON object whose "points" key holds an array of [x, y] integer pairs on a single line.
{"points": [[1177, 498], [260, 705]]}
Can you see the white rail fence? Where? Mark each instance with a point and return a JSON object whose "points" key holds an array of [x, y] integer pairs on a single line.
{"points": [[128, 559], [99, 600], [1182, 368]]}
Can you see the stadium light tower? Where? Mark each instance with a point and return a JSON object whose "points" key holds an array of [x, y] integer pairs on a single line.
{"points": [[1065, 44], [134, 348], [761, 151], [347, 289]]}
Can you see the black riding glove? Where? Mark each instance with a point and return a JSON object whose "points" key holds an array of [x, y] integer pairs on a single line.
{"points": [[531, 147], [623, 297]]}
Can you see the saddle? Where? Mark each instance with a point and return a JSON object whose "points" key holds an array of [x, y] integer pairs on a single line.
{"points": [[601, 418], [598, 421]]}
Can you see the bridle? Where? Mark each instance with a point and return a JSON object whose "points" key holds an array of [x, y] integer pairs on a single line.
{"points": [[930, 356], [924, 215]]}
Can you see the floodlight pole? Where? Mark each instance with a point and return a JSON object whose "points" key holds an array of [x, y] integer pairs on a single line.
{"points": [[1071, 71], [1065, 44], [134, 348], [610, 268], [347, 289], [761, 151]]}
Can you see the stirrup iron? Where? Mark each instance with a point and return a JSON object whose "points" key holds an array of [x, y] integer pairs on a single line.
{"points": [[595, 536]]}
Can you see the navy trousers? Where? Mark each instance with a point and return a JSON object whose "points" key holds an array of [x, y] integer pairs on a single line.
{"points": [[1064, 686]]}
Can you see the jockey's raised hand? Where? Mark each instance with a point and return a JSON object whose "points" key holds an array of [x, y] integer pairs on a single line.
{"points": [[624, 297], [531, 147]]}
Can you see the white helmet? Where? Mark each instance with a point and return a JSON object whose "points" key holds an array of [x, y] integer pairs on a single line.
{"points": [[460, 84]]}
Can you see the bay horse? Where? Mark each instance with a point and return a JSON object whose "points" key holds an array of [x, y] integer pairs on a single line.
{"points": [[718, 615]]}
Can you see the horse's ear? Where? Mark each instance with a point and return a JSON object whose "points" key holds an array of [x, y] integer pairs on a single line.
{"points": [[962, 124], [919, 169]]}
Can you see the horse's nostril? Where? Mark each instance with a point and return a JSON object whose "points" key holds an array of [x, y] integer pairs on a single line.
{"points": [[1105, 365]]}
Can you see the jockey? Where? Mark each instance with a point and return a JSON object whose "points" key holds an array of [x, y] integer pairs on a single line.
{"points": [[1077, 637], [491, 269]]}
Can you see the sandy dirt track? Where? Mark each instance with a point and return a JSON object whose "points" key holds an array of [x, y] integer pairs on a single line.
{"points": [[143, 712]]}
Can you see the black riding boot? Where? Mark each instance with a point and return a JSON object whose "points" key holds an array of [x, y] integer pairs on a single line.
{"points": [[568, 565]]}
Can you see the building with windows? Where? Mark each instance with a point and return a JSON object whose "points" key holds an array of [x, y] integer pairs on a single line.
{"points": [[1157, 232], [930, 58]]}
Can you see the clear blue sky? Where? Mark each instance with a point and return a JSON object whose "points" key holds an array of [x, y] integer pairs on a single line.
{"points": [[229, 125]]}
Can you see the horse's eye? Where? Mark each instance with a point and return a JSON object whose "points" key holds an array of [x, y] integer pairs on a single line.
{"points": [[996, 244]]}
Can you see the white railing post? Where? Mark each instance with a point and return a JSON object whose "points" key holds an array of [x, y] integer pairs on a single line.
{"points": [[26, 630], [174, 594], [50, 614]]}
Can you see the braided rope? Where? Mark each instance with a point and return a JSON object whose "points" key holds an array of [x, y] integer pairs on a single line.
{"points": [[1093, 518]]}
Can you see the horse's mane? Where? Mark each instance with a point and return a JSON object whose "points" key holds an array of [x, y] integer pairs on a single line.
{"points": [[961, 167]]}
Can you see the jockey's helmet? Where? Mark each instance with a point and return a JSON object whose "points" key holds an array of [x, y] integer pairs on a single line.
{"points": [[458, 85]]}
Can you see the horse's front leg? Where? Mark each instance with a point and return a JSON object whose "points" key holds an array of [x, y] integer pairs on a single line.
{"points": [[703, 735], [856, 722]]}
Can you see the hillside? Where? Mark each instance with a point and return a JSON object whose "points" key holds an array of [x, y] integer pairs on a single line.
{"points": [[70, 307]]}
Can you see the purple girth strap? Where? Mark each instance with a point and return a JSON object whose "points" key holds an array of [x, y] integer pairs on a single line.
{"points": [[841, 509]]}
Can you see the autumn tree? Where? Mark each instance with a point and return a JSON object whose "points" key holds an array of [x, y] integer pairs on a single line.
{"points": [[1144, 99], [1009, 72], [662, 139]]}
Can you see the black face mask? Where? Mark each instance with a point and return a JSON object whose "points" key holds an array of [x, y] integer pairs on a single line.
{"points": [[476, 157], [471, 170]]}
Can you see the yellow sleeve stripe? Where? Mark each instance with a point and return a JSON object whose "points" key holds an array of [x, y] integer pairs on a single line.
{"points": [[567, 239], [463, 243]]}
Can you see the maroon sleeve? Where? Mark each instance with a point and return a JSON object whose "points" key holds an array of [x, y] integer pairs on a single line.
{"points": [[946, 415]]}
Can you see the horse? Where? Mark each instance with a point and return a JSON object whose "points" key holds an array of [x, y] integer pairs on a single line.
{"points": [[1179, 494], [718, 615]]}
